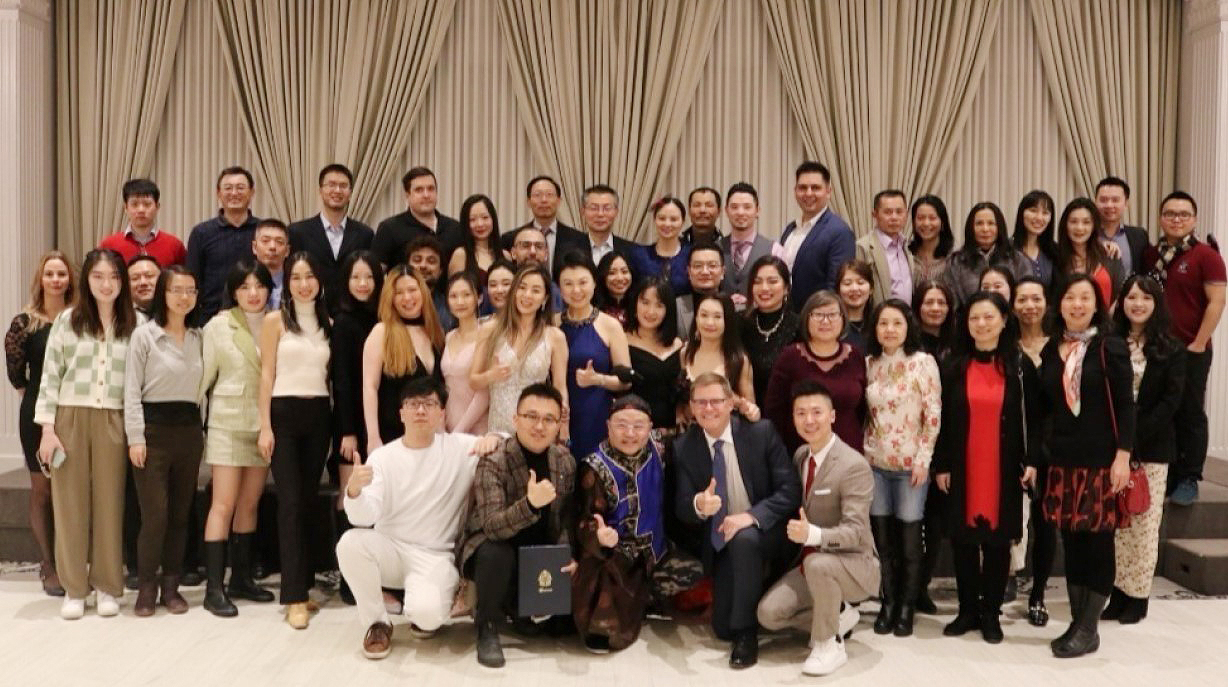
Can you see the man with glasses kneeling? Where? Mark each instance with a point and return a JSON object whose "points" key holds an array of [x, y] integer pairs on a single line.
{"points": [[412, 493], [521, 497]]}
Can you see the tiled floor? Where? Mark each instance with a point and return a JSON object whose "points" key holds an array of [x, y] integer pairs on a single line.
{"points": [[1183, 641]]}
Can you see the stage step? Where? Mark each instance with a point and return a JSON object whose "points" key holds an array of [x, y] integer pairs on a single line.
{"points": [[1207, 518], [1200, 565]]}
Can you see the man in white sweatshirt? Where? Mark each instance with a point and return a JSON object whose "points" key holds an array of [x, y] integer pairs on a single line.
{"points": [[412, 493]]}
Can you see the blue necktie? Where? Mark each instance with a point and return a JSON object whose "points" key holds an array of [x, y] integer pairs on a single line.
{"points": [[718, 473]]}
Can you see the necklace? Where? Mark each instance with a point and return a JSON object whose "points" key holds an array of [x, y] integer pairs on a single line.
{"points": [[768, 334]]}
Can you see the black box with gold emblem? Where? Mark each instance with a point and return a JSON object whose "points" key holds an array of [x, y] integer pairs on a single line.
{"points": [[544, 588]]}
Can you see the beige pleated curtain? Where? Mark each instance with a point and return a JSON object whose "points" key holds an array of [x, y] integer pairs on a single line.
{"points": [[113, 66], [330, 81], [1112, 71], [881, 90], [604, 89]]}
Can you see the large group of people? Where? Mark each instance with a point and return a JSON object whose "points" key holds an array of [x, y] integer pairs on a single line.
{"points": [[770, 431]]}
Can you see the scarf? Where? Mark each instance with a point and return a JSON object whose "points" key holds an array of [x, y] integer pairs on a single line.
{"points": [[1168, 252], [1072, 373]]}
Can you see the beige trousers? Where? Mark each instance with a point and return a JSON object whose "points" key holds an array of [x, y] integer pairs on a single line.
{"points": [[1137, 547], [811, 602], [87, 495]]}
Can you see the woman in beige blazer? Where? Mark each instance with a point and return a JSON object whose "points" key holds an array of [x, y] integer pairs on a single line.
{"points": [[232, 383]]}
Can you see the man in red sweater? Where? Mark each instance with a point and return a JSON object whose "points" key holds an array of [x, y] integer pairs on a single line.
{"points": [[141, 236]]}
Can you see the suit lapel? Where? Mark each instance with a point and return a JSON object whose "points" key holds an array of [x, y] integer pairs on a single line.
{"points": [[243, 337]]}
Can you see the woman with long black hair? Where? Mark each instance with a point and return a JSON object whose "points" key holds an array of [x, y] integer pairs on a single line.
{"points": [[985, 243]]}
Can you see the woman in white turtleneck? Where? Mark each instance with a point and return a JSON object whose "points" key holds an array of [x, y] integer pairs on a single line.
{"points": [[295, 421], [231, 361]]}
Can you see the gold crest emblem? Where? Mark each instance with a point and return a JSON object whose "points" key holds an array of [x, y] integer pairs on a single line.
{"points": [[544, 580]]}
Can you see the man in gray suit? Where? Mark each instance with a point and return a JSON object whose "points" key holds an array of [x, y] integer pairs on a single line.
{"points": [[884, 249], [744, 245], [837, 563]]}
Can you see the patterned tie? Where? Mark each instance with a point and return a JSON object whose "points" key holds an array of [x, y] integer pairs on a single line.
{"points": [[718, 473], [741, 249]]}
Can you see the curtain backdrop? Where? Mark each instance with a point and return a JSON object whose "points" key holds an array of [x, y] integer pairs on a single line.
{"points": [[881, 90], [329, 81], [113, 66], [604, 89], [1112, 71]]}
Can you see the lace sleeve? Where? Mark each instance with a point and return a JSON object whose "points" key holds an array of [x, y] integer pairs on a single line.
{"points": [[15, 351]]}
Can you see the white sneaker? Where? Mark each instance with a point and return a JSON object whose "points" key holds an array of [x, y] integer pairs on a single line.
{"points": [[107, 605], [825, 658], [849, 618], [72, 609]]}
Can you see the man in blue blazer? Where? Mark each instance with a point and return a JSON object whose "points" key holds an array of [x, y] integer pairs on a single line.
{"points": [[816, 245], [735, 481]]}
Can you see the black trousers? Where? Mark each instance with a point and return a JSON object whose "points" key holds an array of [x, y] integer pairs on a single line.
{"points": [[493, 569], [739, 574], [165, 487], [301, 436], [1090, 560], [1191, 419], [981, 569]]}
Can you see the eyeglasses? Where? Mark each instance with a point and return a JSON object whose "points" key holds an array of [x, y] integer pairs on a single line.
{"points": [[708, 402], [534, 245], [336, 185], [421, 404], [824, 316], [624, 426], [601, 208], [181, 291], [238, 188], [535, 419], [1173, 214]]}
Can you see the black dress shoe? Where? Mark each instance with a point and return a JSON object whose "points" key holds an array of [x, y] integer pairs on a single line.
{"points": [[965, 622], [191, 578], [490, 650], [991, 627], [1136, 610], [1117, 604], [525, 627], [925, 604], [745, 651]]}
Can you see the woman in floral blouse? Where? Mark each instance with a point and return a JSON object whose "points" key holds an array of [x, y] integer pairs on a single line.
{"points": [[904, 398]]}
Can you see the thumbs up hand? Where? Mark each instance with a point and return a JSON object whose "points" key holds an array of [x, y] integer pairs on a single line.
{"points": [[606, 536], [707, 503], [540, 494], [798, 530], [586, 376]]}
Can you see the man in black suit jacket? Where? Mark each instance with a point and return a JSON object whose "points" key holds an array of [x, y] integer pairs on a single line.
{"points": [[545, 194], [1112, 195], [331, 236], [394, 234], [600, 210], [734, 477]]}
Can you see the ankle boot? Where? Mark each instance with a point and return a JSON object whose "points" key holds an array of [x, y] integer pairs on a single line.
{"points": [[1117, 604], [1086, 636], [888, 615], [1135, 610], [171, 598], [216, 601], [342, 525], [910, 534], [241, 584], [146, 598]]}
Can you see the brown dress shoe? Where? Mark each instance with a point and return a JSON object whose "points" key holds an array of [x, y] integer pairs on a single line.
{"points": [[146, 599], [174, 602], [378, 641]]}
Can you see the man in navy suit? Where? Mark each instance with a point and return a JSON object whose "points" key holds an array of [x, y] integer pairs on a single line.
{"points": [[544, 195], [331, 235], [816, 245], [735, 479], [1112, 196], [600, 210]]}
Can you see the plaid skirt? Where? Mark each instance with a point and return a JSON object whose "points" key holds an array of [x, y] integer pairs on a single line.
{"points": [[1080, 500]]}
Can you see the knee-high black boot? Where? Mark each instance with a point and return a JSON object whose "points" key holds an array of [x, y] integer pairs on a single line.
{"points": [[216, 601], [242, 586], [888, 613], [1086, 636], [343, 524], [909, 586]]}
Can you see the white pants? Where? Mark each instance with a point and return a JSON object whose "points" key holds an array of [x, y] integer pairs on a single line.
{"points": [[1019, 549], [370, 560]]}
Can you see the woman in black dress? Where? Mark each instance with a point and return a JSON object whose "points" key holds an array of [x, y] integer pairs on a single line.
{"points": [[24, 346], [1086, 382], [770, 323], [652, 339]]}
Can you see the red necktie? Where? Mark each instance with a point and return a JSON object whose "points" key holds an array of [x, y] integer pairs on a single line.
{"points": [[807, 550]]}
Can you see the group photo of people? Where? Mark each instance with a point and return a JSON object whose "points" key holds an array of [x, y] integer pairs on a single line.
{"points": [[767, 436]]}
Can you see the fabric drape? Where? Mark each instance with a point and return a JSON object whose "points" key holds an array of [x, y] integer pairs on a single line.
{"points": [[114, 61], [881, 90], [330, 81], [1112, 71], [604, 89]]}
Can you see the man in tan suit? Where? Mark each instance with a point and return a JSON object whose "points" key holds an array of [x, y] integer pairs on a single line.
{"points": [[885, 248], [837, 563]]}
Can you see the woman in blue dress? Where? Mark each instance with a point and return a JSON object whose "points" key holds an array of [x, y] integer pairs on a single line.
{"points": [[667, 257], [597, 356]]}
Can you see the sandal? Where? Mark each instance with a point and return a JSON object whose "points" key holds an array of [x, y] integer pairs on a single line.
{"points": [[1038, 615]]}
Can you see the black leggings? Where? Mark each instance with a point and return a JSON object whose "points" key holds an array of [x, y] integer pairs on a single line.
{"points": [[301, 434], [1044, 547], [1090, 560]]}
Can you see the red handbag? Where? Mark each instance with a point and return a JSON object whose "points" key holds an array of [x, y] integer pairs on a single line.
{"points": [[1135, 498]]}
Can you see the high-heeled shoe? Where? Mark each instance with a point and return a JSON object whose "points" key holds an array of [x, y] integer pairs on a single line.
{"points": [[1038, 615], [50, 580]]}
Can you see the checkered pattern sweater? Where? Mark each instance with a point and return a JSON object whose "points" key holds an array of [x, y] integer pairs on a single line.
{"points": [[80, 371]]}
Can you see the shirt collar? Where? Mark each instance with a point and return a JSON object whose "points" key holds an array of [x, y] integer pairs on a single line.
{"points": [[608, 243], [340, 225], [808, 225], [552, 226], [888, 241], [153, 233], [726, 436], [821, 456]]}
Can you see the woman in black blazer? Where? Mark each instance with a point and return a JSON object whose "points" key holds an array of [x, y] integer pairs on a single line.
{"points": [[1086, 386], [989, 400], [1158, 363]]}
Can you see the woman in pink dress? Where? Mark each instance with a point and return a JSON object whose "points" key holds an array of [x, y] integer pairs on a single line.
{"points": [[466, 407]]}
